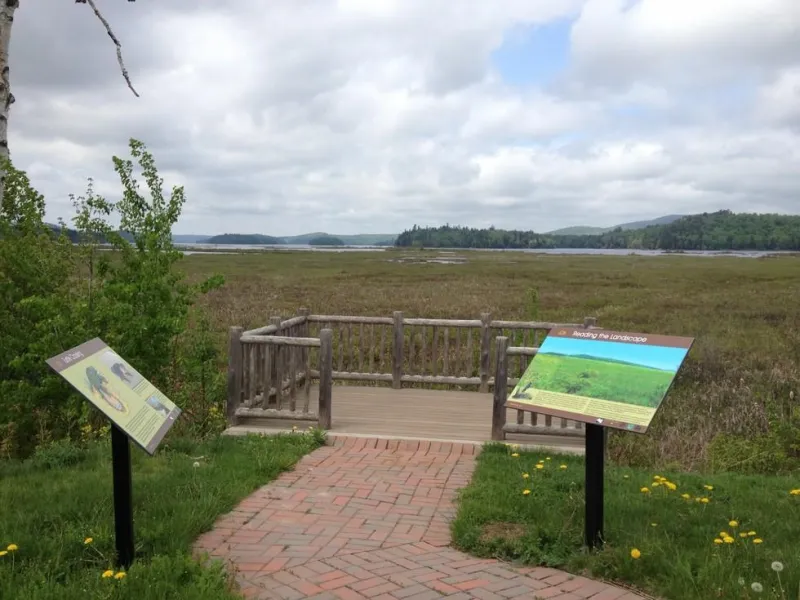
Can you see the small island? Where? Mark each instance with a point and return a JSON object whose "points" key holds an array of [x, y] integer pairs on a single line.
{"points": [[245, 239], [325, 240]]}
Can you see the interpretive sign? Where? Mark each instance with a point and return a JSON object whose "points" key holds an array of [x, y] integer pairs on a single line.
{"points": [[132, 403], [602, 377]]}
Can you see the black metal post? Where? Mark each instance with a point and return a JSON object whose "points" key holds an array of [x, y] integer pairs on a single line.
{"points": [[595, 457], [123, 496]]}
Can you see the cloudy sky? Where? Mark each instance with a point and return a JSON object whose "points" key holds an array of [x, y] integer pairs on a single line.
{"points": [[287, 116]]}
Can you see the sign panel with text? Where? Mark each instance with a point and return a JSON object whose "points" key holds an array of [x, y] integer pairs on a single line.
{"points": [[129, 400], [608, 378]]}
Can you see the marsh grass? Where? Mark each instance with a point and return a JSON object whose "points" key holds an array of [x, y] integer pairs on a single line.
{"points": [[682, 552], [57, 509], [744, 313]]}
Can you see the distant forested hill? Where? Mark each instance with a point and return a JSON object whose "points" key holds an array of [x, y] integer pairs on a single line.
{"points": [[254, 239], [721, 230]]}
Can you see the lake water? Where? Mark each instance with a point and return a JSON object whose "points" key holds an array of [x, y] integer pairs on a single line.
{"points": [[236, 248]]}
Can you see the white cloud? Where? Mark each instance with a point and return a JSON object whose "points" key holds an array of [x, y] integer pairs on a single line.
{"points": [[348, 115]]}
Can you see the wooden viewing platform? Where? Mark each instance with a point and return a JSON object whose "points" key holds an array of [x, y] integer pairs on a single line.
{"points": [[400, 377]]}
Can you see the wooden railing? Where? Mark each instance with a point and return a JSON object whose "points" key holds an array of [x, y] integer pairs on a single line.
{"points": [[503, 386], [272, 368]]}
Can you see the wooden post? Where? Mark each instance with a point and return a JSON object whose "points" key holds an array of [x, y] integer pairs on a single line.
{"points": [[325, 378], [500, 389], [486, 342], [276, 376], [303, 332], [235, 366], [397, 350]]}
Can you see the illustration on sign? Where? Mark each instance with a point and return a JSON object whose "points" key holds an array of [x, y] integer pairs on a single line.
{"points": [[598, 376], [116, 388]]}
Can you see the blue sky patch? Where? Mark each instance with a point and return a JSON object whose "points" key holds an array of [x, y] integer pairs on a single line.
{"points": [[532, 55]]}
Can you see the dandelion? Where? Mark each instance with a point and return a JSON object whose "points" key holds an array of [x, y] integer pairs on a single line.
{"points": [[658, 478], [686, 496], [704, 500], [723, 534], [107, 574], [709, 487], [12, 548], [120, 575], [795, 492], [526, 492], [196, 464], [548, 458], [728, 540], [733, 523], [525, 475], [563, 467], [541, 462], [741, 581], [645, 490], [653, 524], [717, 540], [751, 533], [88, 541], [671, 485], [756, 587], [515, 455], [656, 483], [742, 534], [635, 554], [626, 476], [3, 552], [777, 566], [758, 541], [294, 427], [540, 466]]}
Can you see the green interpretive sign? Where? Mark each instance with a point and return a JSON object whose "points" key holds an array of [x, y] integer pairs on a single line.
{"points": [[607, 378], [129, 400]]}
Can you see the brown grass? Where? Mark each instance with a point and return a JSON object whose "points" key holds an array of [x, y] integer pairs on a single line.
{"points": [[744, 314]]}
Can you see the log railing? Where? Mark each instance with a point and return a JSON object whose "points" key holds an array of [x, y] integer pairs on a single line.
{"points": [[269, 372], [375, 350]]}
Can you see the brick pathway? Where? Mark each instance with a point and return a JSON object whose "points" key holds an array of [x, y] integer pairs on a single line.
{"points": [[367, 518]]}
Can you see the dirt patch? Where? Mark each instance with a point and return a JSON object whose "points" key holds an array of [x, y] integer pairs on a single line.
{"points": [[506, 531]]}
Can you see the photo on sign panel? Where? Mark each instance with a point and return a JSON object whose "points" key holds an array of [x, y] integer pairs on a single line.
{"points": [[612, 378]]}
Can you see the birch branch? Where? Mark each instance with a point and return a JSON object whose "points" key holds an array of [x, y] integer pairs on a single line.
{"points": [[114, 39]]}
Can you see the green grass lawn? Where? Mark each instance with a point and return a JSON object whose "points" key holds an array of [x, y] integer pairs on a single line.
{"points": [[709, 537], [601, 379], [51, 504]]}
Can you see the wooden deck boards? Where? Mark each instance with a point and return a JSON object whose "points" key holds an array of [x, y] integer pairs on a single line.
{"points": [[414, 413]]}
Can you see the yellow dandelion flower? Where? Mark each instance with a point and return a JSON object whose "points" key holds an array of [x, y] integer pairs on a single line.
{"points": [[717, 540], [709, 487], [795, 492], [653, 524], [728, 540], [540, 466], [563, 467], [723, 534], [686, 496], [645, 490], [107, 574], [12, 548], [88, 540], [658, 478], [548, 458], [635, 554], [671, 485], [733, 523], [758, 541], [751, 533], [704, 500], [515, 454], [525, 475], [3, 552], [541, 462], [526, 492], [119, 575], [742, 534], [626, 476], [656, 483]]}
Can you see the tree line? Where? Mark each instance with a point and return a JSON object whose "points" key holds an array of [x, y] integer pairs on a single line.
{"points": [[722, 230]]}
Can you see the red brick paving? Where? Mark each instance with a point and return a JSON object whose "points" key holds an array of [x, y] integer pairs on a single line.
{"points": [[366, 518]]}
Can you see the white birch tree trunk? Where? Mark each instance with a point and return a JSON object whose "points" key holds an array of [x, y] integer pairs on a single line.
{"points": [[7, 8]]}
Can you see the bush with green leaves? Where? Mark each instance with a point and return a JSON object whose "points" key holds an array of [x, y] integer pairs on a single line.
{"points": [[55, 295]]}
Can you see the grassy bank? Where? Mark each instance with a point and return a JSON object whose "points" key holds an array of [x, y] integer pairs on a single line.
{"points": [[744, 313], [57, 516], [684, 537]]}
